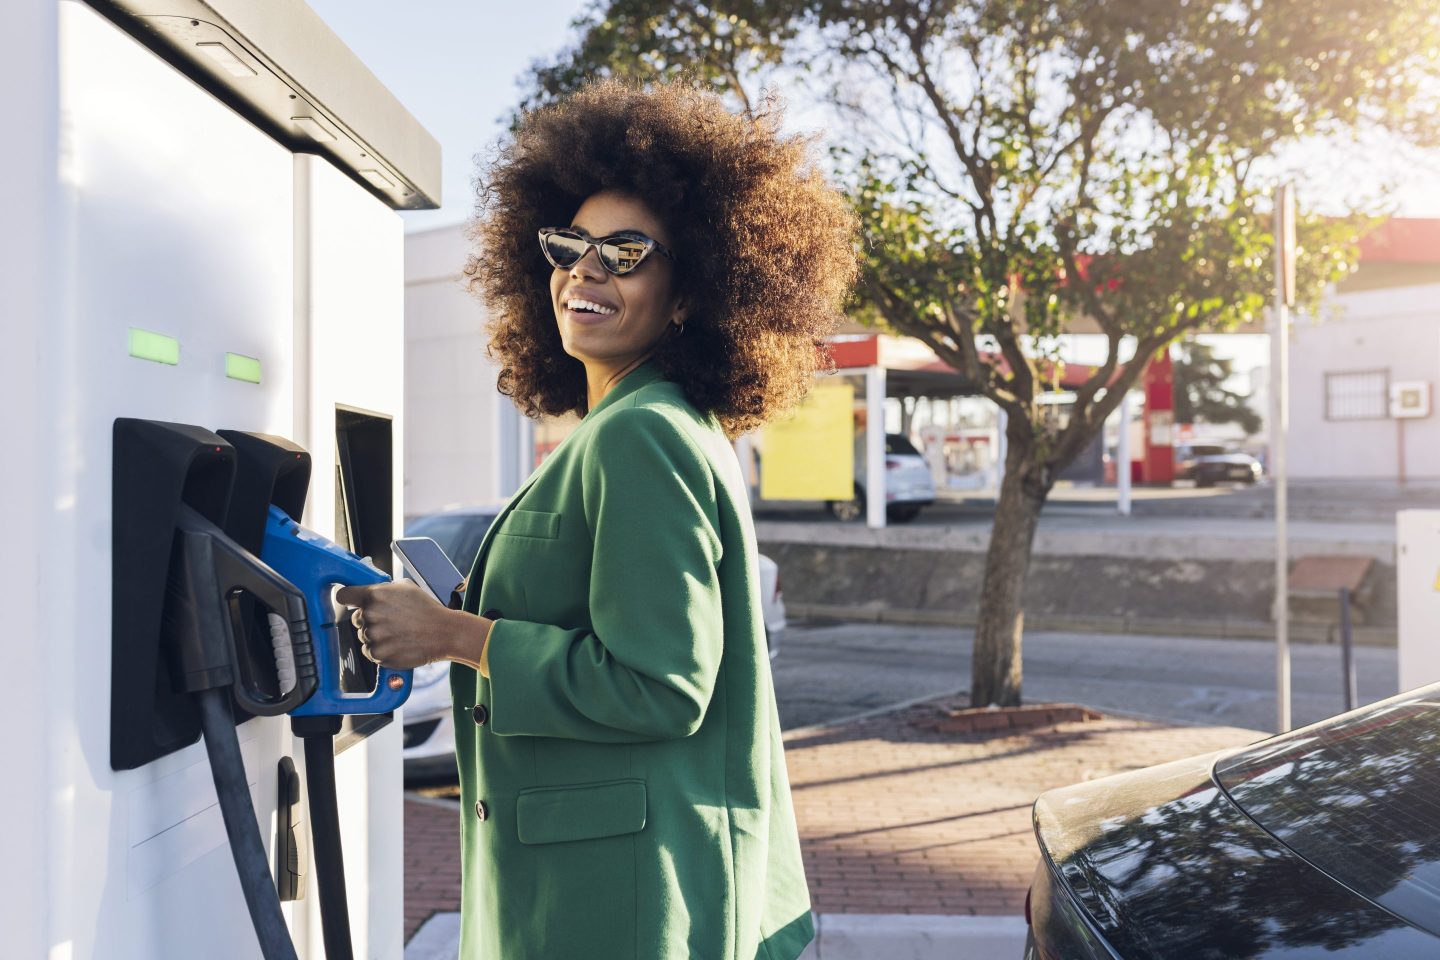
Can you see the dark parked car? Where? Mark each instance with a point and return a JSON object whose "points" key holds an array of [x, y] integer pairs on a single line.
{"points": [[1323, 842], [1210, 463]]}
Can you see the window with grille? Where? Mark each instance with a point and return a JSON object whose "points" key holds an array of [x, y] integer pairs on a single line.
{"points": [[1357, 395]]}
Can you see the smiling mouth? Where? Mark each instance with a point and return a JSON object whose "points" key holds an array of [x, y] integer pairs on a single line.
{"points": [[589, 307]]}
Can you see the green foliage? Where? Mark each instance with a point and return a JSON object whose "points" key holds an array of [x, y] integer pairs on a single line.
{"points": [[1029, 167], [1200, 393], [719, 45], [1079, 165], [1024, 168]]}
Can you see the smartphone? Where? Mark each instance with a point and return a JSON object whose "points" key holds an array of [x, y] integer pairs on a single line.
{"points": [[428, 566]]}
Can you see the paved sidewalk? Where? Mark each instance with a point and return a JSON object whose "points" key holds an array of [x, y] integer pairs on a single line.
{"points": [[432, 859], [902, 813], [897, 817]]}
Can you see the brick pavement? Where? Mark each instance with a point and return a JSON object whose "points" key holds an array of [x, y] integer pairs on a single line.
{"points": [[432, 860], [913, 811], [903, 813]]}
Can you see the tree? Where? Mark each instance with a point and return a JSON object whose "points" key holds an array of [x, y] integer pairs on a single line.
{"points": [[1026, 167], [724, 46], [1200, 394]]}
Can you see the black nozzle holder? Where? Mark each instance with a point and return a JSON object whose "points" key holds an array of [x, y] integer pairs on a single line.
{"points": [[207, 570], [268, 470]]}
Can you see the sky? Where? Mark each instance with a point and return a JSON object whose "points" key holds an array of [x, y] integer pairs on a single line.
{"points": [[454, 64]]}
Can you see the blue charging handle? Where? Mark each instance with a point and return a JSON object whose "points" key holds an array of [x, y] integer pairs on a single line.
{"points": [[316, 565]]}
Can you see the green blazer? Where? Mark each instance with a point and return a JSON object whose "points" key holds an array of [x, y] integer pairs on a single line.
{"points": [[622, 780]]}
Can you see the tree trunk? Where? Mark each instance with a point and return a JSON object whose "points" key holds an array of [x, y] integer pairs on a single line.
{"points": [[995, 665]]}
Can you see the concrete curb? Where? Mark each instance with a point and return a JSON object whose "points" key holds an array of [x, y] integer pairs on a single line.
{"points": [[1155, 539], [859, 936], [1140, 626], [818, 729], [443, 803], [838, 936], [437, 939]]}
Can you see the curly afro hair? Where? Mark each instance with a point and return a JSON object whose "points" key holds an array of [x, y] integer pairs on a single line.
{"points": [[767, 246]]}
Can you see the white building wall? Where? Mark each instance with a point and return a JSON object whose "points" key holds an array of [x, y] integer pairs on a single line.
{"points": [[461, 441], [1396, 330]]}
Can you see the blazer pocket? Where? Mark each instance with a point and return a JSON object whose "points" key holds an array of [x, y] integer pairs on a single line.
{"points": [[537, 524], [585, 811]]}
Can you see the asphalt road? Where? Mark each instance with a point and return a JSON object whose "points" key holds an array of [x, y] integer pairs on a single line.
{"points": [[830, 671]]}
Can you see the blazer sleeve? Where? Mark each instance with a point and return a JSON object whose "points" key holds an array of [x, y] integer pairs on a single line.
{"points": [[646, 668]]}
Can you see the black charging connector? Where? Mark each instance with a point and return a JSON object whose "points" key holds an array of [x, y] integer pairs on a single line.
{"points": [[199, 626], [208, 571]]}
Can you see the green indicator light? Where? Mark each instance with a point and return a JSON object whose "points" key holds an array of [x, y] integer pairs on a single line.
{"points": [[156, 347], [239, 367]]}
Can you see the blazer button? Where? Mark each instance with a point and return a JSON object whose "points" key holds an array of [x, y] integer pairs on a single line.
{"points": [[481, 811], [480, 714], [493, 614]]}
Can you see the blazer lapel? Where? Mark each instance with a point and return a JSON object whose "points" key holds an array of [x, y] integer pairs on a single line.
{"points": [[495, 525], [647, 372]]}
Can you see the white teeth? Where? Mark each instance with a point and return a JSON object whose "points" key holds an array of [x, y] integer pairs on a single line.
{"points": [[575, 303]]}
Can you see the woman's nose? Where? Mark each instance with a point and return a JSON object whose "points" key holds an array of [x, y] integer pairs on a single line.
{"points": [[588, 265]]}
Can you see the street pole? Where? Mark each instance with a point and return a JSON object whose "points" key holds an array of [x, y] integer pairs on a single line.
{"points": [[875, 447], [1122, 459], [525, 439], [1279, 425], [745, 453], [1347, 651]]}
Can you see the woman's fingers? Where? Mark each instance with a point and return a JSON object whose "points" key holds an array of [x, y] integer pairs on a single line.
{"points": [[395, 650], [353, 596], [400, 625]]}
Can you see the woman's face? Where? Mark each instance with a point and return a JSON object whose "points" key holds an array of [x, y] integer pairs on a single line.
{"points": [[635, 308]]}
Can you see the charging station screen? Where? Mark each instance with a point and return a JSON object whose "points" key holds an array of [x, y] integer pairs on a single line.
{"points": [[364, 519]]}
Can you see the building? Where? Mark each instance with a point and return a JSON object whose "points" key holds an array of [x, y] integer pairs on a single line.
{"points": [[464, 442], [1373, 348]]}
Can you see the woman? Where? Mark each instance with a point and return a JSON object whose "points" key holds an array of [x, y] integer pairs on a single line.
{"points": [[668, 271]]}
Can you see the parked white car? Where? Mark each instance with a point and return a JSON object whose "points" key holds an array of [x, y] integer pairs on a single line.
{"points": [[909, 485], [429, 729]]}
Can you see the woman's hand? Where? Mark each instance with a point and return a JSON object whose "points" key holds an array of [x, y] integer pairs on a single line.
{"points": [[402, 627]]}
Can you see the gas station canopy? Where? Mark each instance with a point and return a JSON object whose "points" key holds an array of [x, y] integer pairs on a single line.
{"points": [[914, 370]]}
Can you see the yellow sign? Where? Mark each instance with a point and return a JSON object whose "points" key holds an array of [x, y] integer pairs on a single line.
{"points": [[811, 454]]}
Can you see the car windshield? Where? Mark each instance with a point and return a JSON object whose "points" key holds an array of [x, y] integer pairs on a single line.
{"points": [[1358, 797], [1205, 450], [896, 443]]}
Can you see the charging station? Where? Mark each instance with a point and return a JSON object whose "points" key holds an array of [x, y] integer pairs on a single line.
{"points": [[206, 323]]}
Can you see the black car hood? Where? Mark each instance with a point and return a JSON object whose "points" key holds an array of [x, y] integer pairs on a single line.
{"points": [[1166, 865]]}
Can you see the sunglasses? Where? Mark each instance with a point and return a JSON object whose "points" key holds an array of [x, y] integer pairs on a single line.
{"points": [[619, 254]]}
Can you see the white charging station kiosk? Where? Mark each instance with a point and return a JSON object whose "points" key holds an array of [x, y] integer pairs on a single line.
{"points": [[1417, 570], [206, 233]]}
